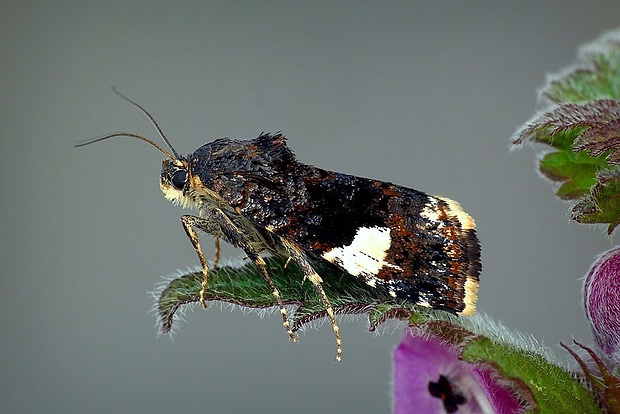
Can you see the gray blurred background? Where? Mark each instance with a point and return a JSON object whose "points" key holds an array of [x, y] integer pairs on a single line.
{"points": [[422, 94]]}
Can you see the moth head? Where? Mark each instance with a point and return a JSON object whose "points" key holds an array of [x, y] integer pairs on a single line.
{"points": [[174, 181]]}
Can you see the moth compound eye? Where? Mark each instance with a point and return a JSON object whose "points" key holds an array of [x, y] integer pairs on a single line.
{"points": [[179, 178]]}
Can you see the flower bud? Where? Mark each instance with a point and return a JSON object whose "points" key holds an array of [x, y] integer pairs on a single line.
{"points": [[601, 297]]}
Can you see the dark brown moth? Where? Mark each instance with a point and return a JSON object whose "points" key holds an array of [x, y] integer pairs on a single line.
{"points": [[255, 195]]}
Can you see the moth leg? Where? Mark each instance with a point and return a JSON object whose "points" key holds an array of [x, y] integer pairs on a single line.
{"points": [[216, 259], [189, 222], [237, 238], [309, 273]]}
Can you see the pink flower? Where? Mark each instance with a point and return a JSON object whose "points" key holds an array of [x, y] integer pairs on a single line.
{"points": [[430, 377], [601, 297]]}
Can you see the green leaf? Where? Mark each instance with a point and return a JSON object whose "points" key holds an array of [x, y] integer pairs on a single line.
{"points": [[576, 172], [243, 285], [555, 390]]}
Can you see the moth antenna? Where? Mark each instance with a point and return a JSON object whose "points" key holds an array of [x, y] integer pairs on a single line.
{"points": [[155, 124], [130, 135]]}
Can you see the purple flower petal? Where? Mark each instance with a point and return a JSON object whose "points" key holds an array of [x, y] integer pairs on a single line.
{"points": [[430, 377], [601, 297]]}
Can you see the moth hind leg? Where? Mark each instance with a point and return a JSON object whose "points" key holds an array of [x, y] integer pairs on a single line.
{"points": [[310, 274], [275, 292]]}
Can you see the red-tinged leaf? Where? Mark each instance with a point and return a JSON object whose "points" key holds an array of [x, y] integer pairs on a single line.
{"points": [[583, 125], [607, 386], [592, 126]]}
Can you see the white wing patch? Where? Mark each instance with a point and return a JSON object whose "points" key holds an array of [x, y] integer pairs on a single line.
{"points": [[365, 255]]}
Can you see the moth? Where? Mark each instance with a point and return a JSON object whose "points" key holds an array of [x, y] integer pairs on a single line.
{"points": [[255, 195]]}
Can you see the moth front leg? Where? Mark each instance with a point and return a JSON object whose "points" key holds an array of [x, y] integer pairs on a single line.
{"points": [[208, 226]]}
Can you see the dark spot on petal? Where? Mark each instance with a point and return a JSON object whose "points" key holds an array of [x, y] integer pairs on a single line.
{"points": [[450, 396]]}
